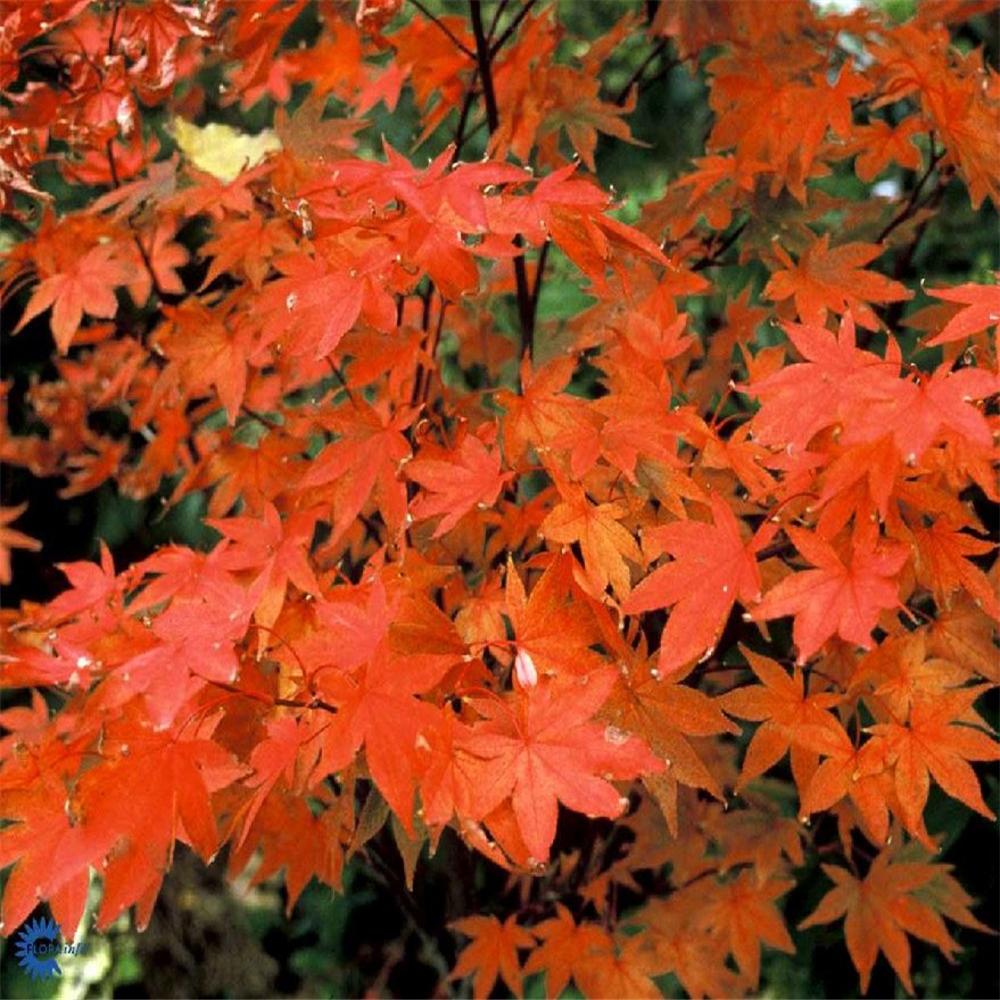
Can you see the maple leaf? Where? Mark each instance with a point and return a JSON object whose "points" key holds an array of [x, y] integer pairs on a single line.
{"points": [[878, 144], [11, 538], [917, 411], [604, 541], [940, 737], [743, 913], [944, 564], [837, 597], [457, 483], [93, 588], [136, 810], [205, 352], [980, 310], [247, 246], [680, 945], [251, 473], [275, 757], [540, 747], [712, 568], [789, 717], [863, 773], [492, 953], [86, 287], [553, 626], [880, 910], [366, 459], [315, 302], [826, 280], [278, 548], [563, 944], [620, 966], [663, 712], [44, 844], [377, 709], [799, 400], [164, 256], [542, 410], [963, 634]]}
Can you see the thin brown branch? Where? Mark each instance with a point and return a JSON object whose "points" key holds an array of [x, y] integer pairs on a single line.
{"points": [[510, 29], [712, 258], [339, 376], [459, 44], [911, 206], [422, 385], [497, 14], [114, 27], [524, 296], [622, 96]]}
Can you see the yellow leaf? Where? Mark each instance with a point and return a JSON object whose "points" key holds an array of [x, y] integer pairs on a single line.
{"points": [[220, 150]]}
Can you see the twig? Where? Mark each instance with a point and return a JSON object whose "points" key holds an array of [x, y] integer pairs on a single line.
{"points": [[536, 292], [483, 55], [444, 27], [339, 375], [711, 259], [422, 385], [622, 96], [510, 29], [114, 27], [497, 14], [911, 203]]}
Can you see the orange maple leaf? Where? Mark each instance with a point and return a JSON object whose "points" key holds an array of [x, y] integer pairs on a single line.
{"points": [[604, 541], [826, 280], [553, 625], [742, 912], [943, 733], [492, 953], [790, 718], [980, 310], [880, 910], [562, 945], [11, 538]]}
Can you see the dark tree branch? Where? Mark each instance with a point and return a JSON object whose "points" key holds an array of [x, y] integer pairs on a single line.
{"points": [[484, 57]]}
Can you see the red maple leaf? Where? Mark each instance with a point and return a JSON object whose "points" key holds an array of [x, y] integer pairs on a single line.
{"points": [[86, 287], [539, 747], [842, 597], [713, 567], [980, 310], [457, 482]]}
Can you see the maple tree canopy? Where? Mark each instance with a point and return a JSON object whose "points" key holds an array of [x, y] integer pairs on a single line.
{"points": [[638, 543]]}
